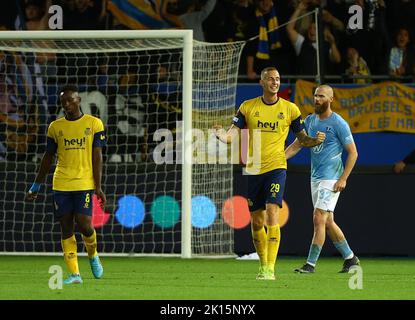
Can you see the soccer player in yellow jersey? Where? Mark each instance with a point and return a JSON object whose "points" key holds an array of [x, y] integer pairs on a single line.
{"points": [[269, 118], [77, 140]]}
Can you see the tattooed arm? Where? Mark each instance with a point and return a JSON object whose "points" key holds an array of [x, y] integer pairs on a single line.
{"points": [[307, 141]]}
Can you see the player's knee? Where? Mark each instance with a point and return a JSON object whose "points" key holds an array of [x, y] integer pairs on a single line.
{"points": [[330, 224], [319, 226], [88, 231], [319, 220], [67, 228], [66, 231], [257, 223], [66, 234], [271, 209]]}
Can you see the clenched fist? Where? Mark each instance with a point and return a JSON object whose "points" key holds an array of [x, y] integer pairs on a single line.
{"points": [[320, 136]]}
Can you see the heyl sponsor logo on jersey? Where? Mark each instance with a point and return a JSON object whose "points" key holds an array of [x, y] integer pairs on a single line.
{"points": [[265, 125], [74, 142]]}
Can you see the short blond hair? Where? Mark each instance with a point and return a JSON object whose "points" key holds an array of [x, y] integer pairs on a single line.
{"points": [[265, 70]]}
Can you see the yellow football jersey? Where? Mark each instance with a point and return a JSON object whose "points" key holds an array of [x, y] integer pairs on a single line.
{"points": [[270, 124], [73, 142]]}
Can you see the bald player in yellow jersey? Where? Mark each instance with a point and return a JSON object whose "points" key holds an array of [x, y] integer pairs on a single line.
{"points": [[77, 140], [268, 118]]}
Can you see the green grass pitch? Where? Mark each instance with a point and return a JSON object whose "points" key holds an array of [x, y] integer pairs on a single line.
{"points": [[27, 277]]}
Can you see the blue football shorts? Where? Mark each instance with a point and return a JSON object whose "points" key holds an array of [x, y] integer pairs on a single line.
{"points": [[266, 188], [65, 202]]}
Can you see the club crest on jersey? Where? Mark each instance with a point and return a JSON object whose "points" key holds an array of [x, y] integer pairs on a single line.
{"points": [[329, 129], [87, 131], [256, 114], [60, 134], [281, 116]]}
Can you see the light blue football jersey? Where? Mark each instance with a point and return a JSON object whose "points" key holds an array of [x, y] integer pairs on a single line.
{"points": [[326, 158]]}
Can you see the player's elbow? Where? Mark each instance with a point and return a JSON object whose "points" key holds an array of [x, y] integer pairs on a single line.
{"points": [[354, 154], [48, 157], [97, 156]]}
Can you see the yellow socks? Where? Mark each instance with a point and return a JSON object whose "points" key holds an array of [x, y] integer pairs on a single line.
{"points": [[70, 254], [91, 244], [273, 240], [260, 242]]}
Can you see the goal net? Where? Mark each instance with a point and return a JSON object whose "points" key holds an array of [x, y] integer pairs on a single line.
{"points": [[158, 93]]}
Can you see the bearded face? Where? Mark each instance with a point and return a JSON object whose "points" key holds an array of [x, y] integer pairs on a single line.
{"points": [[322, 99], [321, 107]]}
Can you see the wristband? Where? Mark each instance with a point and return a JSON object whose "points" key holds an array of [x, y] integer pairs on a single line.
{"points": [[34, 188]]}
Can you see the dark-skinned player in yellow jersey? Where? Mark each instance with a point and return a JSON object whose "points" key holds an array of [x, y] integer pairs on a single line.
{"points": [[269, 118], [77, 140]]}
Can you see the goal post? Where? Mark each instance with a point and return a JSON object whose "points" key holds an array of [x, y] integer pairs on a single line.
{"points": [[142, 82], [186, 235]]}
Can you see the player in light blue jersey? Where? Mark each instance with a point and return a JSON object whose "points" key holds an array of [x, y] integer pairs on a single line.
{"points": [[328, 176]]}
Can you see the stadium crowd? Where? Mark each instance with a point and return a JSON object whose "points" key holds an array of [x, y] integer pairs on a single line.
{"points": [[30, 81]]}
